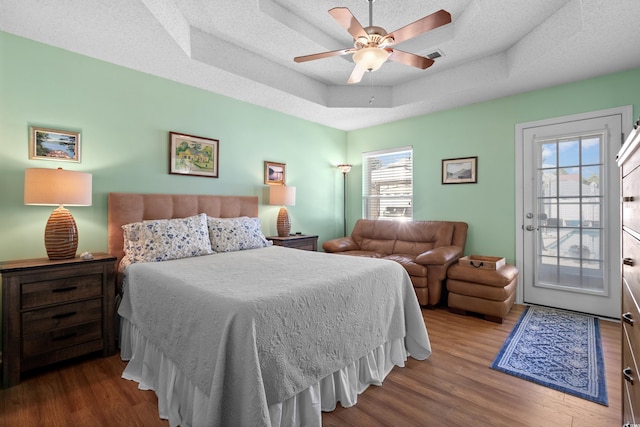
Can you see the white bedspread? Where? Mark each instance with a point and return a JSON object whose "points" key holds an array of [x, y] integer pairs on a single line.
{"points": [[255, 327]]}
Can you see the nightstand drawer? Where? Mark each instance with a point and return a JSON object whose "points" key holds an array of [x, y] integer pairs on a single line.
{"points": [[61, 316], [45, 342], [49, 292], [297, 241], [305, 246]]}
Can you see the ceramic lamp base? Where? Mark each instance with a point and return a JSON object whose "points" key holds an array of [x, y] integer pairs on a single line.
{"points": [[284, 223], [61, 235]]}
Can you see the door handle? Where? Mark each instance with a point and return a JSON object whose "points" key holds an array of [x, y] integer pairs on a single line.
{"points": [[531, 227], [627, 374], [627, 261], [628, 318]]}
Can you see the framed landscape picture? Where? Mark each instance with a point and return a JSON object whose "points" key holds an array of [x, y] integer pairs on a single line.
{"points": [[463, 170], [193, 155], [274, 173], [54, 144]]}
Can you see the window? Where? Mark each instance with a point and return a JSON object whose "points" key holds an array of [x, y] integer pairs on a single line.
{"points": [[388, 184], [571, 205]]}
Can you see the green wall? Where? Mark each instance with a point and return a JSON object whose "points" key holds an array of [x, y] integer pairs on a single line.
{"points": [[125, 117], [486, 130]]}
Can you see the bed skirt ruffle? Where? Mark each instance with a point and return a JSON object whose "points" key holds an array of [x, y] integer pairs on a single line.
{"points": [[183, 404]]}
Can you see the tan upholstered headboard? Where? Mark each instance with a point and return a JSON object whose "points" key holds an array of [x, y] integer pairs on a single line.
{"points": [[125, 208]]}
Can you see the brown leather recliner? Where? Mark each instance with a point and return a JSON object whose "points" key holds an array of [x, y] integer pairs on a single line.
{"points": [[425, 249]]}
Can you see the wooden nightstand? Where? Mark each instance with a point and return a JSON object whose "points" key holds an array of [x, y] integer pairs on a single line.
{"points": [[55, 310], [298, 241]]}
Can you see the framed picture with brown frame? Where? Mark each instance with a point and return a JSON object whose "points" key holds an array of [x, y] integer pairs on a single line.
{"points": [[463, 170], [193, 155], [54, 144], [274, 173]]}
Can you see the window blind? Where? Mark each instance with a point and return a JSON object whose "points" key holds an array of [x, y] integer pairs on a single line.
{"points": [[388, 184]]}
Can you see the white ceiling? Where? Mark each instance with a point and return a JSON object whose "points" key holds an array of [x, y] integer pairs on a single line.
{"points": [[245, 49]]}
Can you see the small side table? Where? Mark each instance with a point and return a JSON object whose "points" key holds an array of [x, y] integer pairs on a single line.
{"points": [[55, 310], [298, 241]]}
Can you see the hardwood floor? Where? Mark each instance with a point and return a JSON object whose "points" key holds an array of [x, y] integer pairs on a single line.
{"points": [[456, 387], [453, 387]]}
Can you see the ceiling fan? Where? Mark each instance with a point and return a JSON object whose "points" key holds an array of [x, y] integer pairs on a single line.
{"points": [[372, 44]]}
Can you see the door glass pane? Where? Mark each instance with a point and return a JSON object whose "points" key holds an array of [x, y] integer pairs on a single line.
{"points": [[591, 180], [591, 212], [591, 243], [569, 212], [548, 269], [591, 150], [568, 153], [548, 182], [549, 154], [569, 205], [569, 182], [549, 241], [569, 243]]}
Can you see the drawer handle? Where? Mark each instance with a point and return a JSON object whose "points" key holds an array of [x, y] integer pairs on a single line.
{"points": [[627, 261], [67, 289], [628, 199], [628, 318], [626, 372], [71, 313], [73, 334]]}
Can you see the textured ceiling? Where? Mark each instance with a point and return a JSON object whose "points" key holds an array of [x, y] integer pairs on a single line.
{"points": [[245, 49]]}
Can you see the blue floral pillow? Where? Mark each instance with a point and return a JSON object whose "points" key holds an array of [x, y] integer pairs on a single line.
{"points": [[166, 239], [236, 234]]}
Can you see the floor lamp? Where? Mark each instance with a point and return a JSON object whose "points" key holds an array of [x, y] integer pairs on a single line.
{"points": [[345, 170]]}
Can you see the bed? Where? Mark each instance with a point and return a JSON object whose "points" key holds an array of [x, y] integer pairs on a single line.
{"points": [[266, 336]]}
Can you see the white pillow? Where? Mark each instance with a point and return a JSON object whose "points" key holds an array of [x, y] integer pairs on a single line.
{"points": [[236, 234], [166, 239]]}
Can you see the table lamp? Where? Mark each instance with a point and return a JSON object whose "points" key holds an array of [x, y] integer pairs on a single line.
{"points": [[283, 195], [58, 187]]}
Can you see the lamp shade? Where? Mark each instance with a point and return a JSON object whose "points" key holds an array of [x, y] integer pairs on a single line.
{"points": [[52, 187], [370, 58], [282, 195], [344, 168]]}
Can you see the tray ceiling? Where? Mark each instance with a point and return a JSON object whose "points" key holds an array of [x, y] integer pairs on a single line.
{"points": [[245, 49]]}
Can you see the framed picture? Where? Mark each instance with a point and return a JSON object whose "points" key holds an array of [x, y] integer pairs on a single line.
{"points": [[193, 155], [274, 173], [54, 144], [460, 171]]}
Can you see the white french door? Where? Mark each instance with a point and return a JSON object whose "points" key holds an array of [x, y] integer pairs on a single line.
{"points": [[568, 245]]}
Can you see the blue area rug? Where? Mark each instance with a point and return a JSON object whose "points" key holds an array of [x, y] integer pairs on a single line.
{"points": [[557, 349]]}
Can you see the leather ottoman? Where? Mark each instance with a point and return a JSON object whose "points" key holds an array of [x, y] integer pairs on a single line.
{"points": [[487, 292]]}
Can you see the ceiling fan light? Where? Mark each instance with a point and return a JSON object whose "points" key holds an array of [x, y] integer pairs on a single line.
{"points": [[370, 58]]}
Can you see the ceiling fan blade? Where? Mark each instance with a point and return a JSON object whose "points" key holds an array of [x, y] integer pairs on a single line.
{"points": [[314, 56], [356, 75], [345, 18], [410, 59], [428, 23]]}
